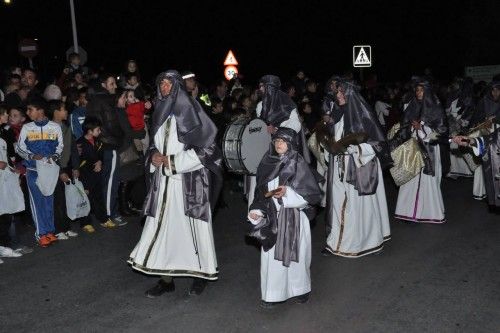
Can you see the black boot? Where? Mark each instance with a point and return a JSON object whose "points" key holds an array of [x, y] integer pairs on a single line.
{"points": [[267, 305], [197, 287], [123, 200], [326, 253], [160, 288], [302, 298], [130, 204]]}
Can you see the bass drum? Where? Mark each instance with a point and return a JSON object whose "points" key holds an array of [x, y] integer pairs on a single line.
{"points": [[244, 144]]}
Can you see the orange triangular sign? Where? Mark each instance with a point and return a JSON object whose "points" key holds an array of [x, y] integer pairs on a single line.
{"points": [[230, 59]]}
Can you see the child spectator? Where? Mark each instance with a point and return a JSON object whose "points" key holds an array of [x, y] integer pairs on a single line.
{"points": [[17, 118], [40, 139], [10, 136], [90, 151], [78, 114], [69, 163], [5, 220], [136, 110]]}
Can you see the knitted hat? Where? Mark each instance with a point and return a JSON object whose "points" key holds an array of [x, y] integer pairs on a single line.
{"points": [[52, 92]]}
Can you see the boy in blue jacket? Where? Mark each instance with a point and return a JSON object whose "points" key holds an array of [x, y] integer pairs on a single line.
{"points": [[40, 139]]}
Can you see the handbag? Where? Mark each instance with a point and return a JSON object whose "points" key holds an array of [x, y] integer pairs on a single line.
{"points": [[11, 195], [48, 175], [77, 201], [408, 162]]}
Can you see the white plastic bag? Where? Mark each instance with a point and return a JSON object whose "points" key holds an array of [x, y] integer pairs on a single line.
{"points": [[48, 175], [11, 195], [77, 201]]}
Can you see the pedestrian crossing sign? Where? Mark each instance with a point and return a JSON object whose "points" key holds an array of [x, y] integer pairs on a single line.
{"points": [[362, 56]]}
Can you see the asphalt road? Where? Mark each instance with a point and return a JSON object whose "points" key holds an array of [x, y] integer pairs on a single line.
{"points": [[429, 278]]}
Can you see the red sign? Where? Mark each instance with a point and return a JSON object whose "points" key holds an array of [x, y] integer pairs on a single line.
{"points": [[230, 72], [28, 48]]}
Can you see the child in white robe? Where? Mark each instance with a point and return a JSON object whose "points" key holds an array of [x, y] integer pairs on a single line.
{"points": [[285, 189]]}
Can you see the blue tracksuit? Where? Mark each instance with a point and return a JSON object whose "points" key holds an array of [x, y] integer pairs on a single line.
{"points": [[40, 138]]}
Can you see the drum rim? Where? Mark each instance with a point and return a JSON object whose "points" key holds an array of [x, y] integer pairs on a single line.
{"points": [[238, 150], [244, 123]]}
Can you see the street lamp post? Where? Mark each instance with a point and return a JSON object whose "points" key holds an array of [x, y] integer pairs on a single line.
{"points": [[73, 25]]}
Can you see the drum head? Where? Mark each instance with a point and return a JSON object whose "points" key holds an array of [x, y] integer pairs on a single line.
{"points": [[255, 142]]}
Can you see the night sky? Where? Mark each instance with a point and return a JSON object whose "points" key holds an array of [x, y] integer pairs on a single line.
{"points": [[266, 36]]}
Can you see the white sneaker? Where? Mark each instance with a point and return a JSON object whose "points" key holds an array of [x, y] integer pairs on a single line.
{"points": [[71, 233], [62, 236], [119, 221], [7, 252], [23, 249], [1, 261]]}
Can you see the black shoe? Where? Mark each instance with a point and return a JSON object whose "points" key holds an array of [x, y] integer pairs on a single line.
{"points": [[197, 287], [267, 305], [160, 288], [325, 252], [123, 200], [133, 208], [302, 298]]}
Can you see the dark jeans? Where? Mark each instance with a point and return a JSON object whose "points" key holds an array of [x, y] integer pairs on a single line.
{"points": [[61, 219], [93, 183], [5, 221]]}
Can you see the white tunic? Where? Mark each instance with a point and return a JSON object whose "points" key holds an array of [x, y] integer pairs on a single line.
{"points": [[279, 283], [176, 245], [420, 200], [479, 188], [360, 224], [458, 165]]}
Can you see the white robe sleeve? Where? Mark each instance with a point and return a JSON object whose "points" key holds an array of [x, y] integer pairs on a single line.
{"points": [[184, 162], [292, 199], [293, 122], [362, 153], [425, 133]]}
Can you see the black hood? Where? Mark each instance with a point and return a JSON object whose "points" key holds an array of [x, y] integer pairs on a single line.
{"points": [[291, 168], [194, 127], [428, 109], [276, 104], [487, 106], [359, 117]]}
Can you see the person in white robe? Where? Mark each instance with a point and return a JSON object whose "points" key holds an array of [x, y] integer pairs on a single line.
{"points": [[357, 216], [281, 223], [420, 199], [459, 110], [277, 109], [487, 148], [488, 108], [177, 239]]}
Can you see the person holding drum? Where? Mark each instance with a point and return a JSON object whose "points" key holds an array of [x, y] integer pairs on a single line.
{"points": [[488, 109], [420, 199], [487, 146], [185, 166], [286, 189], [276, 109], [357, 217]]}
